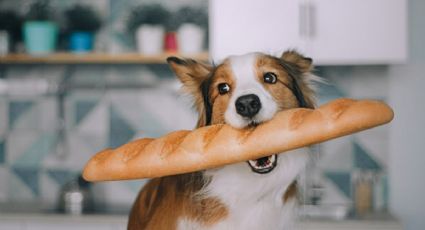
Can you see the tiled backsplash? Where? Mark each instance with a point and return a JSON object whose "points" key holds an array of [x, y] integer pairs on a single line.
{"points": [[36, 160]]}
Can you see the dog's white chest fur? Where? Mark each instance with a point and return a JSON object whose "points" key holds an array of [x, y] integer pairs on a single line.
{"points": [[254, 201]]}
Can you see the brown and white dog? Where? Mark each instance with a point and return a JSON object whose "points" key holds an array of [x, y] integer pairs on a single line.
{"points": [[259, 194]]}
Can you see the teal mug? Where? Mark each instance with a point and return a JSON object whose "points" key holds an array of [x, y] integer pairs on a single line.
{"points": [[81, 42], [40, 37]]}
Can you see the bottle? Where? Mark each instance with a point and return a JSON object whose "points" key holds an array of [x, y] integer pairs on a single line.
{"points": [[363, 193], [75, 197]]}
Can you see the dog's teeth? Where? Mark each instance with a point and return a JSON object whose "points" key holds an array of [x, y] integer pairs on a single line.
{"points": [[253, 163], [263, 165]]}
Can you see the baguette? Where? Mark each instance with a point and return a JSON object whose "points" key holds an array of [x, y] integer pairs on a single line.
{"points": [[218, 145]]}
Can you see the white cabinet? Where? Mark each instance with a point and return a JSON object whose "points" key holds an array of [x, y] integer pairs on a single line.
{"points": [[357, 31], [241, 26], [332, 32]]}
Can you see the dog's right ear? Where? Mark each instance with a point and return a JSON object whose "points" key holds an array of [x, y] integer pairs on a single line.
{"points": [[190, 72], [193, 75]]}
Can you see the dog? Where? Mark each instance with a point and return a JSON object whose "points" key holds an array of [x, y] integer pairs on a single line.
{"points": [[242, 91]]}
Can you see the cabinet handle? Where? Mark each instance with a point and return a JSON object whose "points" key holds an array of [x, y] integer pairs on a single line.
{"points": [[302, 27], [311, 20]]}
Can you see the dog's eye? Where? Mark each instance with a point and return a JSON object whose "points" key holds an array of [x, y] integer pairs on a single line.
{"points": [[270, 78], [223, 88]]}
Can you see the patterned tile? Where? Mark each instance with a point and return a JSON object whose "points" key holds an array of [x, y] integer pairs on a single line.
{"points": [[18, 142], [120, 130], [34, 155], [75, 152], [17, 187], [3, 115], [128, 105], [342, 180], [29, 176], [49, 190], [2, 152], [376, 142], [4, 176], [82, 109], [17, 109], [61, 176], [87, 113], [96, 122], [168, 110], [48, 114], [363, 159], [329, 89], [332, 194], [336, 155]]}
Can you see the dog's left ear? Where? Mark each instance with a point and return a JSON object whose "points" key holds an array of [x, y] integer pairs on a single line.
{"points": [[303, 86], [305, 64]]}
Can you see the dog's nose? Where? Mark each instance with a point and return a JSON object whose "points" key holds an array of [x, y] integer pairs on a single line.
{"points": [[248, 105]]}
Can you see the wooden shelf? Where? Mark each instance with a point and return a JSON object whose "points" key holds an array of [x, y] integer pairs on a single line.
{"points": [[95, 58]]}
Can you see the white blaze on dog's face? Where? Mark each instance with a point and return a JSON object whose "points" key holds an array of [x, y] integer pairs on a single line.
{"points": [[247, 90], [250, 102]]}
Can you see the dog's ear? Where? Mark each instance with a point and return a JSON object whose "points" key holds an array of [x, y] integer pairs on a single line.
{"points": [[305, 64], [190, 72], [303, 85], [193, 76]]}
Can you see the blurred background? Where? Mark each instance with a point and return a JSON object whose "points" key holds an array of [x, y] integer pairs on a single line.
{"points": [[79, 76]]}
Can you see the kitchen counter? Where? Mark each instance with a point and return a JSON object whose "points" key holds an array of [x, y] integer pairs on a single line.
{"points": [[310, 224], [47, 221]]}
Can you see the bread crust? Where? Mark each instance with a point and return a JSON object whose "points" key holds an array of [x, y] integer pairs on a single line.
{"points": [[218, 145]]}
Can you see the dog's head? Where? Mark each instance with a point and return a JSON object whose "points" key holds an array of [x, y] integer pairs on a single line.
{"points": [[247, 90]]}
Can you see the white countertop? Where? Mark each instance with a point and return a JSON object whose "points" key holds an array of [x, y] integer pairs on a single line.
{"points": [[57, 217], [30, 221]]}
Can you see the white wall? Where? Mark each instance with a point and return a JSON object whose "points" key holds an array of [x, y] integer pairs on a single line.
{"points": [[407, 145], [407, 135]]}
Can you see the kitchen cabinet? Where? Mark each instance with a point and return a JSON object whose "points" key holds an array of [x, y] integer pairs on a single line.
{"points": [[332, 32], [239, 26], [357, 31]]}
